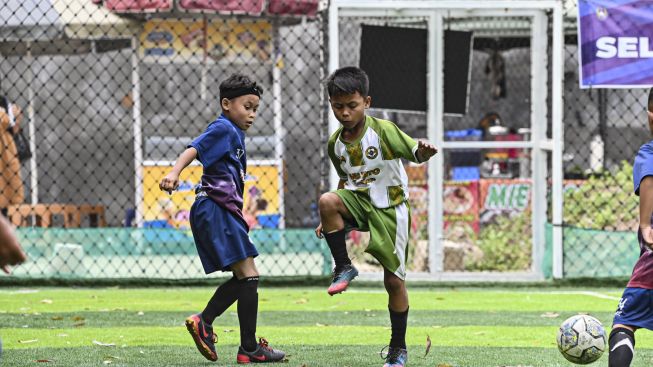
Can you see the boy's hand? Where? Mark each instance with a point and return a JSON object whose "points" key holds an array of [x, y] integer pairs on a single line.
{"points": [[647, 236], [10, 251], [318, 231], [425, 150], [169, 183]]}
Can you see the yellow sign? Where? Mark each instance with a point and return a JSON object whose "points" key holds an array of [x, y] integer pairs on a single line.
{"points": [[230, 40], [261, 197]]}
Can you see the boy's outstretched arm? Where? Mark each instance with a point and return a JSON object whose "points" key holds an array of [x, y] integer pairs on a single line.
{"points": [[171, 180], [646, 209], [425, 151]]}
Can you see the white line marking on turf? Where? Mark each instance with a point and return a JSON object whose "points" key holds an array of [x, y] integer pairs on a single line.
{"points": [[21, 291], [585, 293]]}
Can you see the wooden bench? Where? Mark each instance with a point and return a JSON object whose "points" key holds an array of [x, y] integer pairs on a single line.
{"points": [[45, 215], [94, 213]]}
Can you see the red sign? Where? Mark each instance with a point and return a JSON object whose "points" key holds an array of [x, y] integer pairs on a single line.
{"points": [[228, 7], [251, 7], [138, 6], [293, 7]]}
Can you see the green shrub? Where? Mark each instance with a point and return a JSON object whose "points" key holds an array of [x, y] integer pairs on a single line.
{"points": [[506, 244], [604, 201]]}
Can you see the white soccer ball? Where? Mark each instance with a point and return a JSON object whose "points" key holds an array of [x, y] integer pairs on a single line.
{"points": [[581, 339]]}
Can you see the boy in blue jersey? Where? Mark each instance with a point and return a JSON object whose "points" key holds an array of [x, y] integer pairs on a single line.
{"points": [[372, 196], [216, 219], [635, 309]]}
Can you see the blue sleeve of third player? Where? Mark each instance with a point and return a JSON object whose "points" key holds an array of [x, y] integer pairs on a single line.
{"points": [[213, 144], [643, 165]]}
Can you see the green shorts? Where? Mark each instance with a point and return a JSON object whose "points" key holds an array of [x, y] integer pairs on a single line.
{"points": [[389, 229]]}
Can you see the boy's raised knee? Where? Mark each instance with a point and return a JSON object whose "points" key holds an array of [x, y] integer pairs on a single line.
{"points": [[329, 202]]}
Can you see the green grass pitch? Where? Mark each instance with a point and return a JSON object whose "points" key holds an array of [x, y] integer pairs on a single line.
{"points": [[144, 326]]}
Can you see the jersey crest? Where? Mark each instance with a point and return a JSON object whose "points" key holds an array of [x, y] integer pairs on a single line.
{"points": [[371, 152]]}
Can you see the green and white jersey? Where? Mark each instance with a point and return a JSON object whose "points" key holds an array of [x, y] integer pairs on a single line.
{"points": [[372, 163]]}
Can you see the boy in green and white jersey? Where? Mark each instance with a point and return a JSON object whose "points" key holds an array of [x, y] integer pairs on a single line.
{"points": [[372, 195]]}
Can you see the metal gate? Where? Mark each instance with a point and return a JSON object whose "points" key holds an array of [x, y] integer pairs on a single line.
{"points": [[480, 206]]}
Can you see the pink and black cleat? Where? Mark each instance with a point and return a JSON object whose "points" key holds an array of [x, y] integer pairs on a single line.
{"points": [[341, 279], [203, 336]]}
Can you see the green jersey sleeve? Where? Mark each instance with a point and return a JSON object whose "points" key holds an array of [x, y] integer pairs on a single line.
{"points": [[396, 143], [335, 160]]}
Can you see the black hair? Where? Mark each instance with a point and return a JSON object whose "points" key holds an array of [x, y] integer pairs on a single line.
{"points": [[236, 82], [348, 80], [650, 100]]}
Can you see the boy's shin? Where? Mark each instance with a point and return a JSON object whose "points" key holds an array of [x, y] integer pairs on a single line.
{"points": [[338, 247], [621, 347]]}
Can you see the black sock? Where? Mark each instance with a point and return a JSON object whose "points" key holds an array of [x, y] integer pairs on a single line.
{"points": [[622, 347], [398, 320], [247, 312], [224, 296], [338, 246]]}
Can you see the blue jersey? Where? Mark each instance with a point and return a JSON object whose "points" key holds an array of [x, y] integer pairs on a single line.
{"points": [[221, 150], [643, 165], [642, 276]]}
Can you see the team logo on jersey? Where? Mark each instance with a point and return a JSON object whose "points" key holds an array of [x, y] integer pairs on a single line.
{"points": [[239, 152], [371, 152]]}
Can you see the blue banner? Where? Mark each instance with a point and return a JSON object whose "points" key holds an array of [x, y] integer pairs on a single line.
{"points": [[615, 42]]}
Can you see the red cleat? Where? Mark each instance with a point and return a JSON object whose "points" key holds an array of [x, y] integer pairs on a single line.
{"points": [[203, 336], [342, 278], [262, 354]]}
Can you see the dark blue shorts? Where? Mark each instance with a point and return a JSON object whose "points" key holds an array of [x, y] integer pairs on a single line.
{"points": [[635, 308], [221, 239]]}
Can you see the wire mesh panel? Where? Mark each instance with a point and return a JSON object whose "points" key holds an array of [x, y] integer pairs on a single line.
{"points": [[412, 123], [105, 96], [604, 129], [108, 94], [487, 192]]}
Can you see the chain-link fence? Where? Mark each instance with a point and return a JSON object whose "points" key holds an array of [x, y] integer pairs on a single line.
{"points": [[486, 199], [411, 122], [488, 192], [604, 129], [110, 93]]}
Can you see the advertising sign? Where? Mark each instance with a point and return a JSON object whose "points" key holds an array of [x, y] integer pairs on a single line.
{"points": [[260, 199], [615, 42]]}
